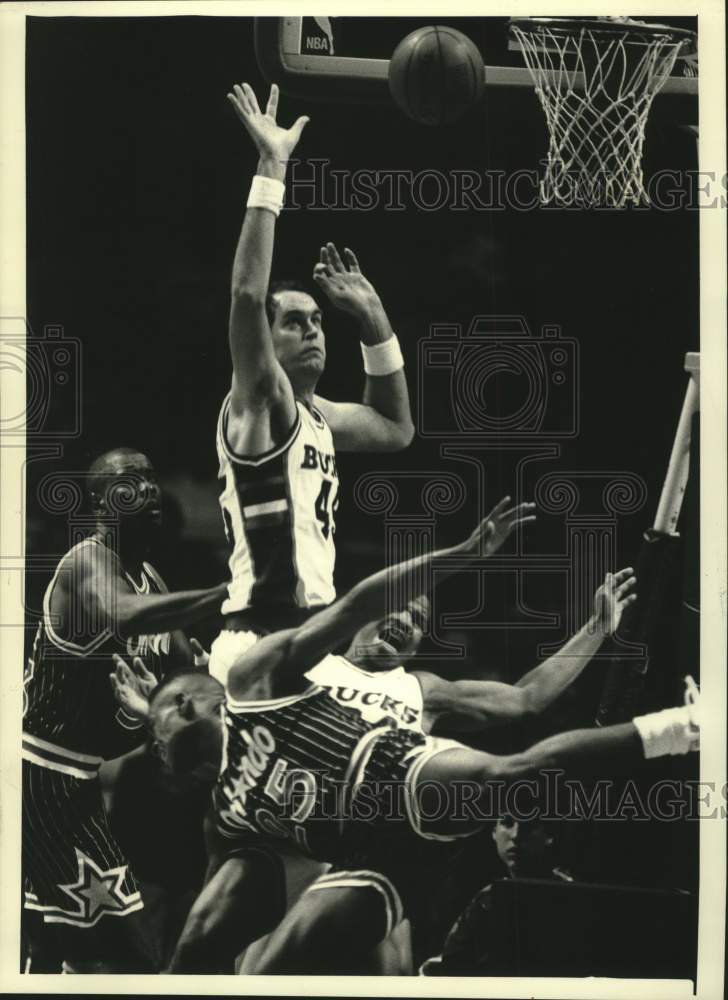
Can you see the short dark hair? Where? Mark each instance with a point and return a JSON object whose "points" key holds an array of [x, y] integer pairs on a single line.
{"points": [[275, 288]]}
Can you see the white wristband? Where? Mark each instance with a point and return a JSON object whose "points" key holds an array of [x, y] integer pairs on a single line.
{"points": [[267, 193], [384, 358], [665, 733]]}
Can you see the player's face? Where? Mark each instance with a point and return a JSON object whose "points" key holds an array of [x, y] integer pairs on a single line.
{"points": [[298, 336], [521, 846], [134, 494], [383, 645], [188, 699]]}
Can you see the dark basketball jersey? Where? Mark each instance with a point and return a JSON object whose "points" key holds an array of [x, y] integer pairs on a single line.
{"points": [[289, 767], [71, 721], [278, 509]]}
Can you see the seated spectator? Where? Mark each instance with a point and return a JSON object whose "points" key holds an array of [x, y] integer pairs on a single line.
{"points": [[525, 850]]}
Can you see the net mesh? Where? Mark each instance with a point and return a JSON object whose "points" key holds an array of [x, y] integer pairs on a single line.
{"points": [[596, 88]]}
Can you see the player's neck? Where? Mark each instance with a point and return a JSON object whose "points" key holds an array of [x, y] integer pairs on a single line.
{"points": [[305, 396], [130, 550]]}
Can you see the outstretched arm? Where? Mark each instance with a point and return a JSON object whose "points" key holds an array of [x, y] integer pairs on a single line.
{"points": [[288, 655], [472, 704], [107, 597], [262, 407], [545, 682], [383, 420]]}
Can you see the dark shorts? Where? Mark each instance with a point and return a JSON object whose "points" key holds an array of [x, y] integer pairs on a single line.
{"points": [[74, 871]]}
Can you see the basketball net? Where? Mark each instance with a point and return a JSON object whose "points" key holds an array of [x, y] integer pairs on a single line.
{"points": [[596, 81]]}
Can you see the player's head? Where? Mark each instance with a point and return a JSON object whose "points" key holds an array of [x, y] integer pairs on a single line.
{"points": [[524, 846], [122, 487], [382, 645], [294, 316], [185, 723]]}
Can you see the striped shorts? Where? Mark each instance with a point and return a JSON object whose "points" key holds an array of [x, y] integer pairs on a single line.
{"points": [[75, 872]]}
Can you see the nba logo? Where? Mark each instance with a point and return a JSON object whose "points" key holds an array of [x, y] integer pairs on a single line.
{"points": [[317, 36]]}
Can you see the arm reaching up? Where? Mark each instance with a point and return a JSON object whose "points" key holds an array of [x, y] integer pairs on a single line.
{"points": [[383, 420], [471, 704], [288, 655], [262, 407]]}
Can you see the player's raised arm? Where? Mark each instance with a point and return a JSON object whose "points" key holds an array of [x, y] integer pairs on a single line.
{"points": [[383, 420], [259, 383], [290, 654], [471, 704]]}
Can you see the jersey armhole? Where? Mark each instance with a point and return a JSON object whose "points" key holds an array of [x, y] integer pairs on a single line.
{"points": [[266, 456]]}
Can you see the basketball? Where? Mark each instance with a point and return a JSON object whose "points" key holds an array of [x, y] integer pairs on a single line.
{"points": [[436, 75]]}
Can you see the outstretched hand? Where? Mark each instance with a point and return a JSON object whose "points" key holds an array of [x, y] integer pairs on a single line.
{"points": [[132, 687], [342, 281], [614, 595], [497, 526], [272, 141]]}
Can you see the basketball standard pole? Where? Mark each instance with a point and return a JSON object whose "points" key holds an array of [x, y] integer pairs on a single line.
{"points": [[673, 490], [625, 679]]}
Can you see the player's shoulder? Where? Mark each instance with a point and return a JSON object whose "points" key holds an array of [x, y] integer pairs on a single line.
{"points": [[86, 557]]}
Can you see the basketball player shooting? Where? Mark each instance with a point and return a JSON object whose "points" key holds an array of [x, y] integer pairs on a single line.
{"points": [[277, 784], [276, 438]]}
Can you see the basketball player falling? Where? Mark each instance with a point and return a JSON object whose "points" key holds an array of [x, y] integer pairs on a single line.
{"points": [[104, 599], [299, 765], [276, 438]]}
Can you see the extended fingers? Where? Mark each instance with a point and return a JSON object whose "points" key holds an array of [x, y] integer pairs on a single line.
{"points": [[518, 511], [252, 99], [520, 520], [499, 508], [333, 257], [351, 260], [272, 105], [622, 574], [140, 670], [627, 585]]}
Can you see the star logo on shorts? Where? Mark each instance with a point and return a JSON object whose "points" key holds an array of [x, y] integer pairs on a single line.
{"points": [[97, 891]]}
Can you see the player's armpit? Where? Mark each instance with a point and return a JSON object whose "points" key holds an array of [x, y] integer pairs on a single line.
{"points": [[466, 705], [261, 416]]}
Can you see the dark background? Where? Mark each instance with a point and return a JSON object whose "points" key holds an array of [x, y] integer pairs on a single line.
{"points": [[137, 176]]}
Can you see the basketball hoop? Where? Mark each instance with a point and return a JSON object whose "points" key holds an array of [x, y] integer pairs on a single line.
{"points": [[596, 80]]}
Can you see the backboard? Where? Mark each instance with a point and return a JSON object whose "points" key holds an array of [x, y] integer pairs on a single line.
{"points": [[347, 58]]}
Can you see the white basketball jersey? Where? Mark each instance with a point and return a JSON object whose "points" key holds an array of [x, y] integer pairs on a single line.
{"points": [[279, 510], [376, 696]]}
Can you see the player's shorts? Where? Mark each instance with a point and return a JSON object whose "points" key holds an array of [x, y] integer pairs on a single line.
{"points": [[226, 649], [75, 872], [345, 878], [388, 776]]}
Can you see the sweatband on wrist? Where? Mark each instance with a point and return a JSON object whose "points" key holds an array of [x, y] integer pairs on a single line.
{"points": [[267, 193], [384, 358], [665, 733]]}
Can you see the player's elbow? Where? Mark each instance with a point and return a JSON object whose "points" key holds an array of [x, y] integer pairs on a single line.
{"points": [[247, 296], [405, 432], [397, 436], [525, 705]]}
